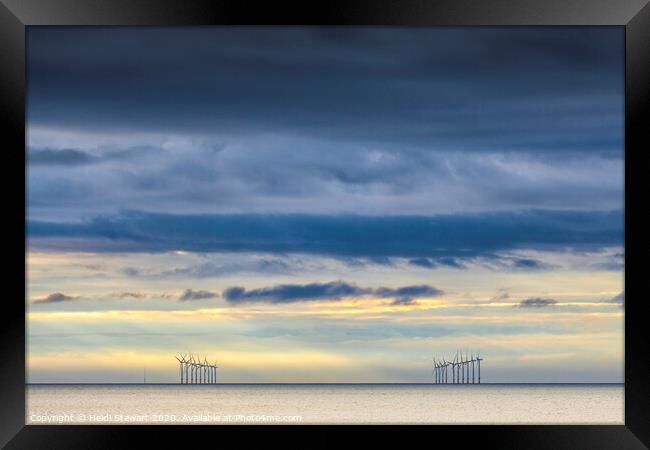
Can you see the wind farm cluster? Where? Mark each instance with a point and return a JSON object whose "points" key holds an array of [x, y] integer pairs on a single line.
{"points": [[195, 371], [463, 370]]}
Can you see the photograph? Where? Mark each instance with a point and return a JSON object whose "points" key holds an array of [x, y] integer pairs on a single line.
{"points": [[319, 224]]}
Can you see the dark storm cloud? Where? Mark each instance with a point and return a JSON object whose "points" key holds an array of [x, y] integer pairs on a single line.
{"points": [[56, 297], [369, 121], [545, 89], [335, 290], [289, 293], [423, 262], [359, 262], [432, 263], [130, 271], [499, 297], [615, 262], [620, 298], [64, 157], [76, 157], [512, 263], [129, 295], [414, 237], [615, 266], [213, 270], [406, 295], [537, 302], [404, 301], [190, 294], [409, 291], [269, 175], [528, 263]]}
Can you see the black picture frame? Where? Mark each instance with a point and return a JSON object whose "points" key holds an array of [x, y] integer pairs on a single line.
{"points": [[15, 15]]}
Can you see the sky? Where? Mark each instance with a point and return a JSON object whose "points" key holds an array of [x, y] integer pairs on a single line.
{"points": [[325, 204]]}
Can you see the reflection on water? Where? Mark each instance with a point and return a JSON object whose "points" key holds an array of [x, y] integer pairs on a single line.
{"points": [[488, 404]]}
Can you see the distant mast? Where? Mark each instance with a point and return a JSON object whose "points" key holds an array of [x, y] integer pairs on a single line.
{"points": [[144, 376]]}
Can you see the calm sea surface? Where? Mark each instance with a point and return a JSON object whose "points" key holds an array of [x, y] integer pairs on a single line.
{"points": [[343, 404]]}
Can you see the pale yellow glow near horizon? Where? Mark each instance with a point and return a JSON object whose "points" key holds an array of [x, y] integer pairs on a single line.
{"points": [[383, 311], [124, 358], [537, 348]]}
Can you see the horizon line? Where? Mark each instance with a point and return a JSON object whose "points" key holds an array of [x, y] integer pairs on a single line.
{"points": [[317, 383]]}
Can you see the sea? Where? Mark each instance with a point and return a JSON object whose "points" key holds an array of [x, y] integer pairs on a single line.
{"points": [[281, 404]]}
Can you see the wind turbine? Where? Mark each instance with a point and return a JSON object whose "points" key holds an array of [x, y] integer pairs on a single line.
{"points": [[473, 377], [452, 364], [185, 368], [194, 370], [215, 372], [445, 364], [180, 364], [465, 369], [453, 370], [464, 366], [188, 368], [433, 372], [205, 369]]}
